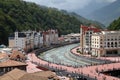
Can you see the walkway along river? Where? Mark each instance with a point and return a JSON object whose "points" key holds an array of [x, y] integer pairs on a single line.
{"points": [[91, 72]]}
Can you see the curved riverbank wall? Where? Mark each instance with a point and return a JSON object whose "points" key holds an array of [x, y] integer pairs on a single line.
{"points": [[41, 50], [90, 60]]}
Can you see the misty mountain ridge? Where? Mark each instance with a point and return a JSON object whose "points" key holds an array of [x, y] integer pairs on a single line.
{"points": [[106, 14], [91, 7]]}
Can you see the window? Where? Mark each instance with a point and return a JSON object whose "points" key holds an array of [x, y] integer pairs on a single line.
{"points": [[111, 44], [90, 32], [115, 44], [86, 32], [115, 39], [108, 44]]}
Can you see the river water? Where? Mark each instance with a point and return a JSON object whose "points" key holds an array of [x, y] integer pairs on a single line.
{"points": [[61, 56]]}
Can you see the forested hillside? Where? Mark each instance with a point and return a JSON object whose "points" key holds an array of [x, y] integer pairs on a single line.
{"points": [[20, 15], [115, 25]]}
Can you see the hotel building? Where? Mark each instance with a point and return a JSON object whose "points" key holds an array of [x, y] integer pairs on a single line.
{"points": [[105, 43], [85, 38]]}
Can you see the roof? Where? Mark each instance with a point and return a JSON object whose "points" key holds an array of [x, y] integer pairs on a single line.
{"points": [[15, 54], [8, 63], [32, 77], [85, 28], [3, 55], [19, 35], [44, 73], [15, 74]]}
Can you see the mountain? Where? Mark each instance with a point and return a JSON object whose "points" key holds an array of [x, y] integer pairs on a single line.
{"points": [[106, 14], [88, 22], [91, 7], [20, 15], [115, 25]]}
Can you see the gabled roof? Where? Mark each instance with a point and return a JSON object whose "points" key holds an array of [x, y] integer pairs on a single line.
{"points": [[15, 55], [32, 77], [3, 55], [8, 63], [15, 74]]}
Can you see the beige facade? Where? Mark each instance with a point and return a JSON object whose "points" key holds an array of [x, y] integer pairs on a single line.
{"points": [[106, 43], [11, 42], [85, 37], [20, 40]]}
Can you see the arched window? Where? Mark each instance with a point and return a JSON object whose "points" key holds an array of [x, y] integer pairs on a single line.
{"points": [[111, 44], [108, 44], [115, 44]]}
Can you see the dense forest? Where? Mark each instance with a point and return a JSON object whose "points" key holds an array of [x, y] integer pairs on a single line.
{"points": [[20, 15], [115, 25]]}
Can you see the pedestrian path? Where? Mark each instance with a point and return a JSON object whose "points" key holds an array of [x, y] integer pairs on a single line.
{"points": [[90, 71]]}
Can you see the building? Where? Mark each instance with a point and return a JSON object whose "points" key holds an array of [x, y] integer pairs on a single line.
{"points": [[17, 40], [85, 38], [38, 39], [7, 65], [73, 37], [17, 74], [106, 43], [17, 56], [29, 40], [50, 37]]}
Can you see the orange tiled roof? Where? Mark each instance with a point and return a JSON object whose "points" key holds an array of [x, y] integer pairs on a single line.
{"points": [[15, 74], [15, 55], [32, 77], [3, 55], [11, 63]]}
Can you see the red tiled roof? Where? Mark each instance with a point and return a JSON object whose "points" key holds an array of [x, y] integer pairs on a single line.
{"points": [[85, 28]]}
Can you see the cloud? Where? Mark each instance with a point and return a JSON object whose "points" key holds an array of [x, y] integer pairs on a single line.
{"points": [[63, 4], [105, 1], [69, 5]]}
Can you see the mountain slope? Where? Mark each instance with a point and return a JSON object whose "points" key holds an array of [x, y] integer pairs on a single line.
{"points": [[107, 14], [115, 25], [20, 15]]}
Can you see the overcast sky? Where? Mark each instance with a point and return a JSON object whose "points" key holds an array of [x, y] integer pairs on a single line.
{"points": [[69, 5]]}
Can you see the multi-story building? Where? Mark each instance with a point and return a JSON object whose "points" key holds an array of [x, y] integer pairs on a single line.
{"points": [[85, 38], [50, 37], [28, 40], [106, 43], [18, 40]]}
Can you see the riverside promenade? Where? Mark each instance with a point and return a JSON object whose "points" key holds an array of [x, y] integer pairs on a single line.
{"points": [[90, 71]]}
